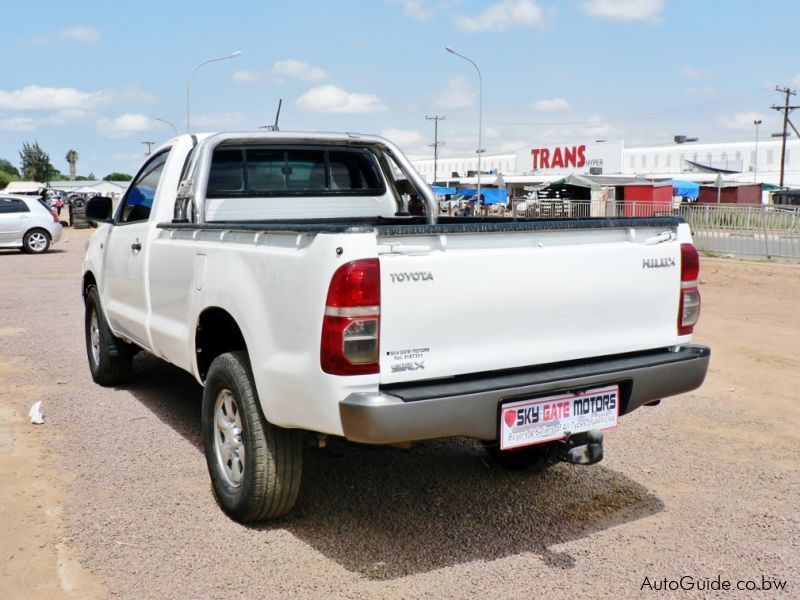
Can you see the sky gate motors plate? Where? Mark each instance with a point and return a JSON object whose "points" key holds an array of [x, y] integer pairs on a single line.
{"points": [[527, 422]]}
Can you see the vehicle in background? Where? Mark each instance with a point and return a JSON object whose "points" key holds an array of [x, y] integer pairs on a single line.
{"points": [[26, 223]]}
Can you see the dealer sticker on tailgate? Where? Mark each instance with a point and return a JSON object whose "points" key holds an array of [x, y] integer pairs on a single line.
{"points": [[526, 422]]}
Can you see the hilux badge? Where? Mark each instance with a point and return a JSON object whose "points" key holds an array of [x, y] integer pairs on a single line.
{"points": [[658, 263]]}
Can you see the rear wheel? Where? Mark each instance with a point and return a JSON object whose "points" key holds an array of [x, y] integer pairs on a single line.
{"points": [[110, 359], [255, 467], [36, 241]]}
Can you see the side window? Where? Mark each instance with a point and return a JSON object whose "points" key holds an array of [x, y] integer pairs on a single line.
{"points": [[227, 172], [12, 205], [138, 202]]}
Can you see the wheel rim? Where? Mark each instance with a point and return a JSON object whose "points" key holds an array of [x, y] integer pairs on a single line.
{"points": [[228, 445], [94, 337], [37, 241]]}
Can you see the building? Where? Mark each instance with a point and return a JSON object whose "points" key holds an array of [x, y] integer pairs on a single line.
{"points": [[736, 161]]}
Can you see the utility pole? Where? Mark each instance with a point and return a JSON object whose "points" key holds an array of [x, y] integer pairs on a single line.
{"points": [[436, 142], [149, 145], [786, 110]]}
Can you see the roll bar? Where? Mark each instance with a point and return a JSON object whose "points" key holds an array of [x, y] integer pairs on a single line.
{"points": [[190, 202]]}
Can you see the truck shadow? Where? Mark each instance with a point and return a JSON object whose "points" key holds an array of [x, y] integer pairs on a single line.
{"points": [[386, 513]]}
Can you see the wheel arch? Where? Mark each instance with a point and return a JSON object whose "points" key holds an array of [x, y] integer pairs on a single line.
{"points": [[216, 333]]}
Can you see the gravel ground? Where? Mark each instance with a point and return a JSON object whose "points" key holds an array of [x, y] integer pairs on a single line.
{"points": [[111, 497]]}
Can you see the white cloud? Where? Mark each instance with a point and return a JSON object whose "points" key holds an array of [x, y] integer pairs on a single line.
{"points": [[625, 10], [297, 69], [80, 34], [215, 121], [740, 121], [417, 9], [402, 137], [796, 80], [333, 99], [124, 125], [549, 105], [85, 35], [503, 16], [17, 124], [247, 76], [696, 73], [34, 97], [457, 94]]}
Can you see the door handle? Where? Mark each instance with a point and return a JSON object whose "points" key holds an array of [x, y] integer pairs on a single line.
{"points": [[136, 247]]}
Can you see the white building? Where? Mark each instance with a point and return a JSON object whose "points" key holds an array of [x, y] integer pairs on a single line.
{"points": [[737, 160]]}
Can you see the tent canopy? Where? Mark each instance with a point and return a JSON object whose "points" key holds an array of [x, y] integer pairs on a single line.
{"points": [[440, 190], [490, 195], [687, 189]]}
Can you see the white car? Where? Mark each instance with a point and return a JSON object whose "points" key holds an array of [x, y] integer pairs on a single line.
{"points": [[28, 224]]}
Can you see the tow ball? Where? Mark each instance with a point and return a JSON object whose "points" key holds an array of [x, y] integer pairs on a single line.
{"points": [[580, 448]]}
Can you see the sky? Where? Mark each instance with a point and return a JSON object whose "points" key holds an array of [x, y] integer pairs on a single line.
{"points": [[97, 76]]}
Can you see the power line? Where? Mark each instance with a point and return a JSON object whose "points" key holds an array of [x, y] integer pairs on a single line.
{"points": [[786, 109], [149, 145], [436, 142]]}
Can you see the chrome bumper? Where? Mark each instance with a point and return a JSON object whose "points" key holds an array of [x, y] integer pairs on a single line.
{"points": [[469, 407]]}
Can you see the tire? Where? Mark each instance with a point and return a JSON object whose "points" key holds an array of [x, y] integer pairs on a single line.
{"points": [[264, 484], [533, 458], [36, 241], [110, 359]]}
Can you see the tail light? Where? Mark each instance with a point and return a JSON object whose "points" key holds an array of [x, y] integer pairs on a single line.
{"points": [[689, 310], [351, 327], [55, 216]]}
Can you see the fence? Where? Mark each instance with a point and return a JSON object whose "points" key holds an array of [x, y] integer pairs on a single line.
{"points": [[763, 230]]}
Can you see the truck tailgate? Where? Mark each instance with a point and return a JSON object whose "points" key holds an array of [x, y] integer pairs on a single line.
{"points": [[462, 303]]}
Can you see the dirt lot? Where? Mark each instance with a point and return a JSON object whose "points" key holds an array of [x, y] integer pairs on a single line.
{"points": [[110, 497]]}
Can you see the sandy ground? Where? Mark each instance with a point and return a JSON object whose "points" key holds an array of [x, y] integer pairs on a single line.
{"points": [[110, 497]]}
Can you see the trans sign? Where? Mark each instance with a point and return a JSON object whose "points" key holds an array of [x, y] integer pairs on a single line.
{"points": [[563, 159]]}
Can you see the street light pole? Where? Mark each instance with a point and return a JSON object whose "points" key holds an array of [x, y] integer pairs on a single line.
{"points": [[480, 118], [170, 123], [189, 83], [757, 122]]}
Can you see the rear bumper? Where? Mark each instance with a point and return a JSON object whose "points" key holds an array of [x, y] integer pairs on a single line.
{"points": [[469, 407]]}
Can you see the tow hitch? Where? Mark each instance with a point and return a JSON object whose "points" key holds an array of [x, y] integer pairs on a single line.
{"points": [[580, 448]]}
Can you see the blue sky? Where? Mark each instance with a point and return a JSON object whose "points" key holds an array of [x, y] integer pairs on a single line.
{"points": [[93, 76]]}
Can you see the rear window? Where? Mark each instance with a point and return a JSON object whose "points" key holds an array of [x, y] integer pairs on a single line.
{"points": [[293, 171], [13, 205]]}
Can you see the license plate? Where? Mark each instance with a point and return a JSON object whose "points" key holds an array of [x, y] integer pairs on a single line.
{"points": [[538, 420]]}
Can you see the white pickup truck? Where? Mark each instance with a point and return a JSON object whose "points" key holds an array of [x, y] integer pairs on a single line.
{"points": [[284, 272]]}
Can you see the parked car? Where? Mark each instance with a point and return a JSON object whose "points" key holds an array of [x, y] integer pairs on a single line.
{"points": [[26, 223]]}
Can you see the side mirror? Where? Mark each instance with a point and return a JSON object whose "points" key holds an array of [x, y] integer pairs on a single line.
{"points": [[99, 209]]}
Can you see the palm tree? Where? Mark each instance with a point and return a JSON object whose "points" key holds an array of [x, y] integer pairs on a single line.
{"points": [[72, 159]]}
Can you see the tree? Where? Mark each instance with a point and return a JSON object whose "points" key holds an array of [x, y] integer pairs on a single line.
{"points": [[7, 167], [35, 162], [6, 178], [72, 158], [117, 177]]}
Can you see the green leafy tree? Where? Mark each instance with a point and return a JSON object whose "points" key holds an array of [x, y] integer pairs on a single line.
{"points": [[117, 177], [72, 158], [7, 167], [6, 178], [36, 164]]}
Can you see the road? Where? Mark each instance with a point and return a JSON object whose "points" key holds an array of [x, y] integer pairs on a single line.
{"points": [[110, 496]]}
